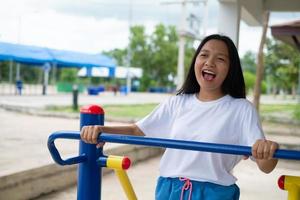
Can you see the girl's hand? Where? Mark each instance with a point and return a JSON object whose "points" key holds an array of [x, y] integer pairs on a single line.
{"points": [[264, 149], [89, 134]]}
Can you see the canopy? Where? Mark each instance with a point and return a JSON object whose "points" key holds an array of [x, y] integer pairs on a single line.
{"points": [[119, 72], [288, 32], [94, 72], [24, 54], [33, 55]]}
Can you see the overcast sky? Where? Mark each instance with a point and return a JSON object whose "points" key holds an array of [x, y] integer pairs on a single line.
{"points": [[93, 26]]}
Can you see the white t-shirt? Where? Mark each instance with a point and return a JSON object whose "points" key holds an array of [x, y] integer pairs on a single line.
{"points": [[226, 120]]}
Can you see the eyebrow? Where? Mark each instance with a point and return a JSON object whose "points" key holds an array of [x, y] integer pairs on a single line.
{"points": [[207, 51]]}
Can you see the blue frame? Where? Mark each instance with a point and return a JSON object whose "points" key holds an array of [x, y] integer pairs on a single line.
{"points": [[91, 160]]}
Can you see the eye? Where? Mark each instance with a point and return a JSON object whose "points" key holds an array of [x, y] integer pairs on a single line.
{"points": [[203, 55], [221, 59]]}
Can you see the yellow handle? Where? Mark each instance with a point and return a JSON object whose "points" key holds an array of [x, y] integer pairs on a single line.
{"points": [[292, 185], [118, 162], [125, 182]]}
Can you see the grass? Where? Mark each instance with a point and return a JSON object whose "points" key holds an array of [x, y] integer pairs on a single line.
{"points": [[269, 108], [291, 109], [130, 112], [138, 111], [297, 112]]}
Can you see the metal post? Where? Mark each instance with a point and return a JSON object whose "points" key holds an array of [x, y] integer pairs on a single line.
{"points": [[18, 72], [46, 68], [75, 97], [89, 172], [11, 76]]}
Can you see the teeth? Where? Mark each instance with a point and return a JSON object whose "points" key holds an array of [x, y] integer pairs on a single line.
{"points": [[209, 72]]}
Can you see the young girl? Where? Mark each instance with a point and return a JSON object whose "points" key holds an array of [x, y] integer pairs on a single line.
{"points": [[210, 107]]}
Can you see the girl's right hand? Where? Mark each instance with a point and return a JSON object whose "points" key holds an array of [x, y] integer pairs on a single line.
{"points": [[89, 134]]}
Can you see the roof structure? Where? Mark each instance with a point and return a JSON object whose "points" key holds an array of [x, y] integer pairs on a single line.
{"points": [[288, 32], [33, 55]]}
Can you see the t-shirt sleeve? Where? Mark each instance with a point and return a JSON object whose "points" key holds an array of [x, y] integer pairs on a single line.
{"points": [[159, 122], [252, 129]]}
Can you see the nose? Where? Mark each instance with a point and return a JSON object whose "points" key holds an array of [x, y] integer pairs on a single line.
{"points": [[210, 62]]}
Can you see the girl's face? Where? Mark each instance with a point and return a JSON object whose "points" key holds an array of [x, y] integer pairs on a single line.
{"points": [[211, 67]]}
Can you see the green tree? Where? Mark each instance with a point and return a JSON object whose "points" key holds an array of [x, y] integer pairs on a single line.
{"points": [[282, 63], [248, 62], [163, 46], [118, 54], [68, 75], [156, 54]]}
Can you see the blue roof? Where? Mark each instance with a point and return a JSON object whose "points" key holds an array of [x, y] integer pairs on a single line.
{"points": [[25, 54], [33, 55]]}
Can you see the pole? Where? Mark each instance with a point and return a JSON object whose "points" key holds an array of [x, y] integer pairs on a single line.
{"points": [[10, 76], [89, 172], [46, 69], [75, 97], [181, 33], [180, 64], [128, 77]]}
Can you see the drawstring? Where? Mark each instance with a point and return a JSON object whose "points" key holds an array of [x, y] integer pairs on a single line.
{"points": [[187, 186]]}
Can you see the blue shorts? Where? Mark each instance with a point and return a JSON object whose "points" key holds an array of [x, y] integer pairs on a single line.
{"points": [[178, 188]]}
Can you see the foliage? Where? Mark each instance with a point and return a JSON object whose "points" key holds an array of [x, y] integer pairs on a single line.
{"points": [[68, 75], [118, 54], [28, 73], [282, 63], [155, 53], [4, 71], [248, 62], [249, 81]]}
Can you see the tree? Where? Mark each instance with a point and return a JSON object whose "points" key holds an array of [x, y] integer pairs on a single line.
{"points": [[118, 54], [156, 54], [248, 62], [282, 63], [163, 47]]}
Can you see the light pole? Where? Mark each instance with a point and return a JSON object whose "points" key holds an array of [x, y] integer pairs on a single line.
{"points": [[19, 41], [128, 77], [183, 33]]}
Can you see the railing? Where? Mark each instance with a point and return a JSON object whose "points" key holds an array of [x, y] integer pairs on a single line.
{"points": [[91, 159]]}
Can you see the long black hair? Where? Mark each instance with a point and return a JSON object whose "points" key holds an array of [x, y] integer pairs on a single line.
{"points": [[234, 83]]}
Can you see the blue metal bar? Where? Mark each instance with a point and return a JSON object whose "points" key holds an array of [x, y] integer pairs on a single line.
{"points": [[187, 145], [55, 154], [89, 173]]}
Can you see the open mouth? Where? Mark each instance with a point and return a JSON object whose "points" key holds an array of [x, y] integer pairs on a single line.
{"points": [[208, 75]]}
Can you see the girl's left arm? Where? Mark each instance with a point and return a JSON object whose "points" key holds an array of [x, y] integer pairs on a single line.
{"points": [[263, 151]]}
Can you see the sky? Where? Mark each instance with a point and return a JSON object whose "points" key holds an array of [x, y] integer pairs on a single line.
{"points": [[93, 26]]}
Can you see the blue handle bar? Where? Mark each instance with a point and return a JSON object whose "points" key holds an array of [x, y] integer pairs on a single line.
{"points": [[167, 143], [54, 152]]}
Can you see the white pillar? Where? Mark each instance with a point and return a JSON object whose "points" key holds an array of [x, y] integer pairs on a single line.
{"points": [[229, 19], [180, 64], [181, 31]]}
